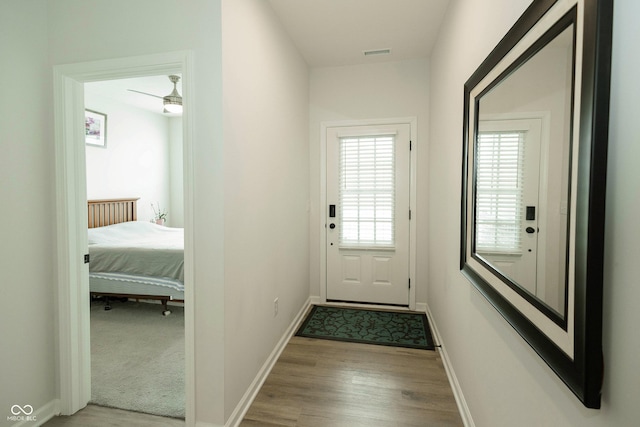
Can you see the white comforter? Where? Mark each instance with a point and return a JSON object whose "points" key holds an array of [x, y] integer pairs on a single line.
{"points": [[137, 247]]}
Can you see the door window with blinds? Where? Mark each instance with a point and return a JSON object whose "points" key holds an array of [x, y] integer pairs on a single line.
{"points": [[499, 191], [367, 190]]}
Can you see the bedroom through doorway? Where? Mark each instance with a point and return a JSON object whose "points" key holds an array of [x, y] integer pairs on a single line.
{"points": [[134, 188]]}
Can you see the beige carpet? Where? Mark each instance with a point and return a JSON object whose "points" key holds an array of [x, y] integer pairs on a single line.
{"points": [[137, 358]]}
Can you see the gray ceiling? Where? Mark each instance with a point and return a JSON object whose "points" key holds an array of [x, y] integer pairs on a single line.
{"points": [[327, 33], [336, 32]]}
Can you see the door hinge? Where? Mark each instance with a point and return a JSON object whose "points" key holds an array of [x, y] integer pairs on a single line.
{"points": [[409, 282], [409, 213], [86, 258], [409, 145]]}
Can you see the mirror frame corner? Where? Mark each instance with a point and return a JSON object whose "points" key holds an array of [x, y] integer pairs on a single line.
{"points": [[582, 373]]}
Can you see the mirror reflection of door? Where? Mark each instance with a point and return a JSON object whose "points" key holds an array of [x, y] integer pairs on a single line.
{"points": [[538, 91], [507, 186]]}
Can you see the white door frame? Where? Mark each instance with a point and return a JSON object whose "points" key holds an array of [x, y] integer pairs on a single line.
{"points": [[74, 352], [412, 122]]}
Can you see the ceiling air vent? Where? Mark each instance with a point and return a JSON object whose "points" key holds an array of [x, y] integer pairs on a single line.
{"points": [[377, 52]]}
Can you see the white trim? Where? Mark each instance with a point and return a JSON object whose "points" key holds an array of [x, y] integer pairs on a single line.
{"points": [[365, 306], [74, 369], [413, 234], [74, 363], [421, 307], [188, 125], [249, 396], [463, 408], [316, 300], [413, 124]]}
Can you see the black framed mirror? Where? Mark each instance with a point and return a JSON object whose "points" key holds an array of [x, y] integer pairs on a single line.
{"points": [[536, 116]]}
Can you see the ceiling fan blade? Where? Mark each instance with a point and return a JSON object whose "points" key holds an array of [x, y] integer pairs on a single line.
{"points": [[145, 93]]}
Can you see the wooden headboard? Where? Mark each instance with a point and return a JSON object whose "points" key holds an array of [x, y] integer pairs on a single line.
{"points": [[112, 211]]}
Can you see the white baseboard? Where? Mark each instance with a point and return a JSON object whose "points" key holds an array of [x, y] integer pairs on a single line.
{"points": [[251, 393], [38, 417], [463, 408]]}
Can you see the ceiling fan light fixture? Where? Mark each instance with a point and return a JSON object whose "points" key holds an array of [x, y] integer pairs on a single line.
{"points": [[173, 101], [170, 107]]}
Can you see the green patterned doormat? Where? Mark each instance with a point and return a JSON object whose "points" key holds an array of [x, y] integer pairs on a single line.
{"points": [[398, 329]]}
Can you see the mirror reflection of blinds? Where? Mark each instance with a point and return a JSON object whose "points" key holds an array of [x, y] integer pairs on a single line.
{"points": [[367, 190], [499, 191]]}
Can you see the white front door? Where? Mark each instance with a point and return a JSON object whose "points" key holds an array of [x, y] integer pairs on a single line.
{"points": [[367, 193]]}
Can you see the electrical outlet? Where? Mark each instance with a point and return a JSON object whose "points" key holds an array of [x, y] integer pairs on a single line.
{"points": [[275, 307]]}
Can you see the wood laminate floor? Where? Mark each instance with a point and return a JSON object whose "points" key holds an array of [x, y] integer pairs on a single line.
{"points": [[318, 383], [330, 383]]}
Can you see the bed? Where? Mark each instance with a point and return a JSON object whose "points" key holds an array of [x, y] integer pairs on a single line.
{"points": [[131, 258]]}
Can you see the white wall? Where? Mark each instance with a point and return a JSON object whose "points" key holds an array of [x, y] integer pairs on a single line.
{"points": [[504, 382], [250, 193], [176, 173], [370, 91], [266, 154], [136, 160], [27, 298]]}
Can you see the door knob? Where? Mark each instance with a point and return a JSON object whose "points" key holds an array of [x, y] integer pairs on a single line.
{"points": [[332, 226], [530, 230]]}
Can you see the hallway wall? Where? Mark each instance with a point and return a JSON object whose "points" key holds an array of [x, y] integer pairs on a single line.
{"points": [[504, 382], [370, 91], [27, 247], [266, 104]]}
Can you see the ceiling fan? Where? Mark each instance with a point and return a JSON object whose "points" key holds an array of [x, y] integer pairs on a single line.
{"points": [[172, 102]]}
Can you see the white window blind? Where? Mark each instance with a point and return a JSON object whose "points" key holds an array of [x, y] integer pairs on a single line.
{"points": [[499, 190], [367, 190]]}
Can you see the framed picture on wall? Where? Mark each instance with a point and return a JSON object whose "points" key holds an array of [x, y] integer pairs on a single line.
{"points": [[95, 125]]}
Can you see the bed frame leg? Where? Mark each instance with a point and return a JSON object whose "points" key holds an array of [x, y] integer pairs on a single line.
{"points": [[107, 304], [166, 310]]}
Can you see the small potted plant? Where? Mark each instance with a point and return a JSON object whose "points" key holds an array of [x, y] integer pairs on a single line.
{"points": [[159, 215]]}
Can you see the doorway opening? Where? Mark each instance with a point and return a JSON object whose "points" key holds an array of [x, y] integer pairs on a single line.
{"points": [[73, 285], [134, 164]]}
